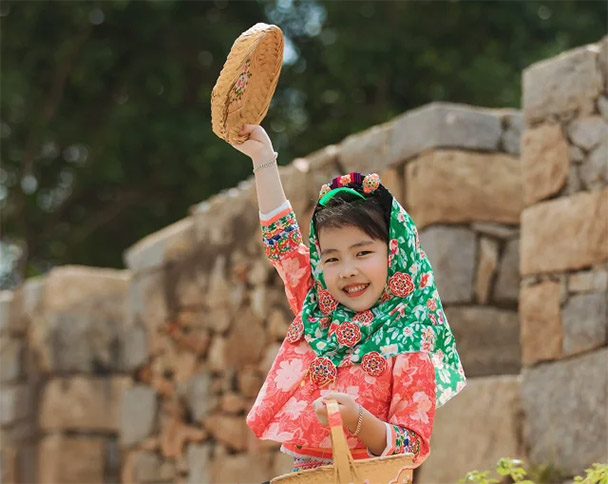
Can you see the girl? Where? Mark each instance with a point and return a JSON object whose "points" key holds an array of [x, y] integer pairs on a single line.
{"points": [[369, 329]]}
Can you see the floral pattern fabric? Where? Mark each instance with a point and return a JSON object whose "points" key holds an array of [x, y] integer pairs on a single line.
{"points": [[399, 389], [408, 318]]}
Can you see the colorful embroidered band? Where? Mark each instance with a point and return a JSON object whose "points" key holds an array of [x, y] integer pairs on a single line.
{"points": [[368, 183], [332, 193]]}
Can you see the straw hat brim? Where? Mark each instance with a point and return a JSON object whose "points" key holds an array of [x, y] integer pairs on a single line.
{"points": [[247, 82]]}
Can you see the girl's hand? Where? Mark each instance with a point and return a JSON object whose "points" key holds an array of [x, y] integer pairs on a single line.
{"points": [[258, 147], [349, 409]]}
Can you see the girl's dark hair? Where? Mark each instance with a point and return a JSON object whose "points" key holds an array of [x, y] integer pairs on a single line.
{"points": [[346, 209]]}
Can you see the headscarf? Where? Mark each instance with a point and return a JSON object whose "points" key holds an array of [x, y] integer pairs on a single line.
{"points": [[407, 318]]}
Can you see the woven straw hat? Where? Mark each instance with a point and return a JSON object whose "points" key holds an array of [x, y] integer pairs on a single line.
{"points": [[247, 82]]}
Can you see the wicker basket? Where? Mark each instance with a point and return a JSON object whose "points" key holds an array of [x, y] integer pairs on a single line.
{"points": [[395, 469], [247, 81]]}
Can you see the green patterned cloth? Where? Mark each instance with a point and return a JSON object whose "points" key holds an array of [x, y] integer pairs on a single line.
{"points": [[408, 318]]}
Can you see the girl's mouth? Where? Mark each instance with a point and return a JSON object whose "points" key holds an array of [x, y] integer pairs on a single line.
{"points": [[355, 290]]}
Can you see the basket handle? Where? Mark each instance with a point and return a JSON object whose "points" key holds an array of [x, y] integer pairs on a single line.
{"points": [[343, 459]]}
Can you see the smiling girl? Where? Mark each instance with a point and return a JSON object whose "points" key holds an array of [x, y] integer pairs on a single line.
{"points": [[369, 328]]}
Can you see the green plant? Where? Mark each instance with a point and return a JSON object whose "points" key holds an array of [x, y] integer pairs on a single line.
{"points": [[513, 468], [597, 474]]}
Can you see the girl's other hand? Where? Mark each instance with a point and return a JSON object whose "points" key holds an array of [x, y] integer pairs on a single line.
{"points": [[258, 147], [349, 409]]}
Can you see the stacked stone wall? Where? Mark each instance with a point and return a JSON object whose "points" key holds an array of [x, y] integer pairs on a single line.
{"points": [[63, 376], [564, 259]]}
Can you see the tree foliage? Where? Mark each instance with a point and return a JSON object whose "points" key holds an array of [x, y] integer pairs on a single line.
{"points": [[105, 122]]}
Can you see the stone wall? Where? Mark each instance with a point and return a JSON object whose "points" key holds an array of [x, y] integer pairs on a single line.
{"points": [[564, 259], [146, 375], [63, 376]]}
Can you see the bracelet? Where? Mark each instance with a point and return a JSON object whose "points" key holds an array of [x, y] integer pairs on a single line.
{"points": [[267, 164], [359, 421]]}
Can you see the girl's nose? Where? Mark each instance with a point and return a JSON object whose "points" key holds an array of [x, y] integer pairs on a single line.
{"points": [[348, 270]]}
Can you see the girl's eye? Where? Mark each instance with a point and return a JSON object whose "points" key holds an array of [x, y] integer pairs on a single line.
{"points": [[331, 259], [364, 252]]}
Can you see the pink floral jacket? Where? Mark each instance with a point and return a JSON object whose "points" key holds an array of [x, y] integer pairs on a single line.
{"points": [[403, 398]]}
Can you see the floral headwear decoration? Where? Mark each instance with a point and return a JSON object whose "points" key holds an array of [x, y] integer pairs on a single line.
{"points": [[407, 318]]}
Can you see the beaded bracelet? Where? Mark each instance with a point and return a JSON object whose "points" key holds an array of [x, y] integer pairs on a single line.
{"points": [[267, 164], [359, 421]]}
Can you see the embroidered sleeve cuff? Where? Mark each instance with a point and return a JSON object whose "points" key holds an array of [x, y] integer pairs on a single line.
{"points": [[399, 440], [281, 234]]}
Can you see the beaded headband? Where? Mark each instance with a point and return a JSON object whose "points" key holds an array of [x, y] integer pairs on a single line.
{"points": [[369, 183]]}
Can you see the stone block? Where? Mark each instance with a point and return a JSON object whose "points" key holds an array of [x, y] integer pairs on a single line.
{"points": [[566, 412], [135, 346], [229, 215], [296, 180], [138, 414], [490, 410], [561, 85], [392, 179], [541, 328], [454, 275], [443, 125], [486, 267], [368, 151], [602, 106], [594, 172], [565, 233], [461, 187], [545, 162], [6, 310], [513, 126], [588, 281], [16, 403], [71, 459], [199, 463], [82, 403], [250, 381], [11, 359], [584, 323], [147, 467], [197, 395], [231, 431], [487, 339], [84, 340], [588, 132], [506, 288], [8, 464], [147, 300], [168, 244], [18, 307], [217, 357], [278, 324], [246, 328], [576, 154], [73, 287], [251, 467]]}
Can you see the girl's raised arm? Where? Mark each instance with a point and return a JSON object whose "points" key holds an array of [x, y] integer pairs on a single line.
{"points": [[267, 181]]}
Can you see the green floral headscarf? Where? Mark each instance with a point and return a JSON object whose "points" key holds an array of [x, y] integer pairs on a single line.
{"points": [[408, 317]]}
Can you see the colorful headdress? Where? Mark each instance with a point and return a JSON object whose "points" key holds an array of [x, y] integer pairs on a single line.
{"points": [[408, 317]]}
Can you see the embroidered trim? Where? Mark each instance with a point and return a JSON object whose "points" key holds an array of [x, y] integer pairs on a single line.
{"points": [[281, 236]]}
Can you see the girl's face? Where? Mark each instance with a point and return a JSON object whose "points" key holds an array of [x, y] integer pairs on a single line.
{"points": [[355, 266]]}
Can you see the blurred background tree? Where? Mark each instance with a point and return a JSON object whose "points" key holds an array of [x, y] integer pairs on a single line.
{"points": [[105, 123]]}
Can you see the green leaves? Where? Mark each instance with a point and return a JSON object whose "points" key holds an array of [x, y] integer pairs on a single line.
{"points": [[513, 469]]}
